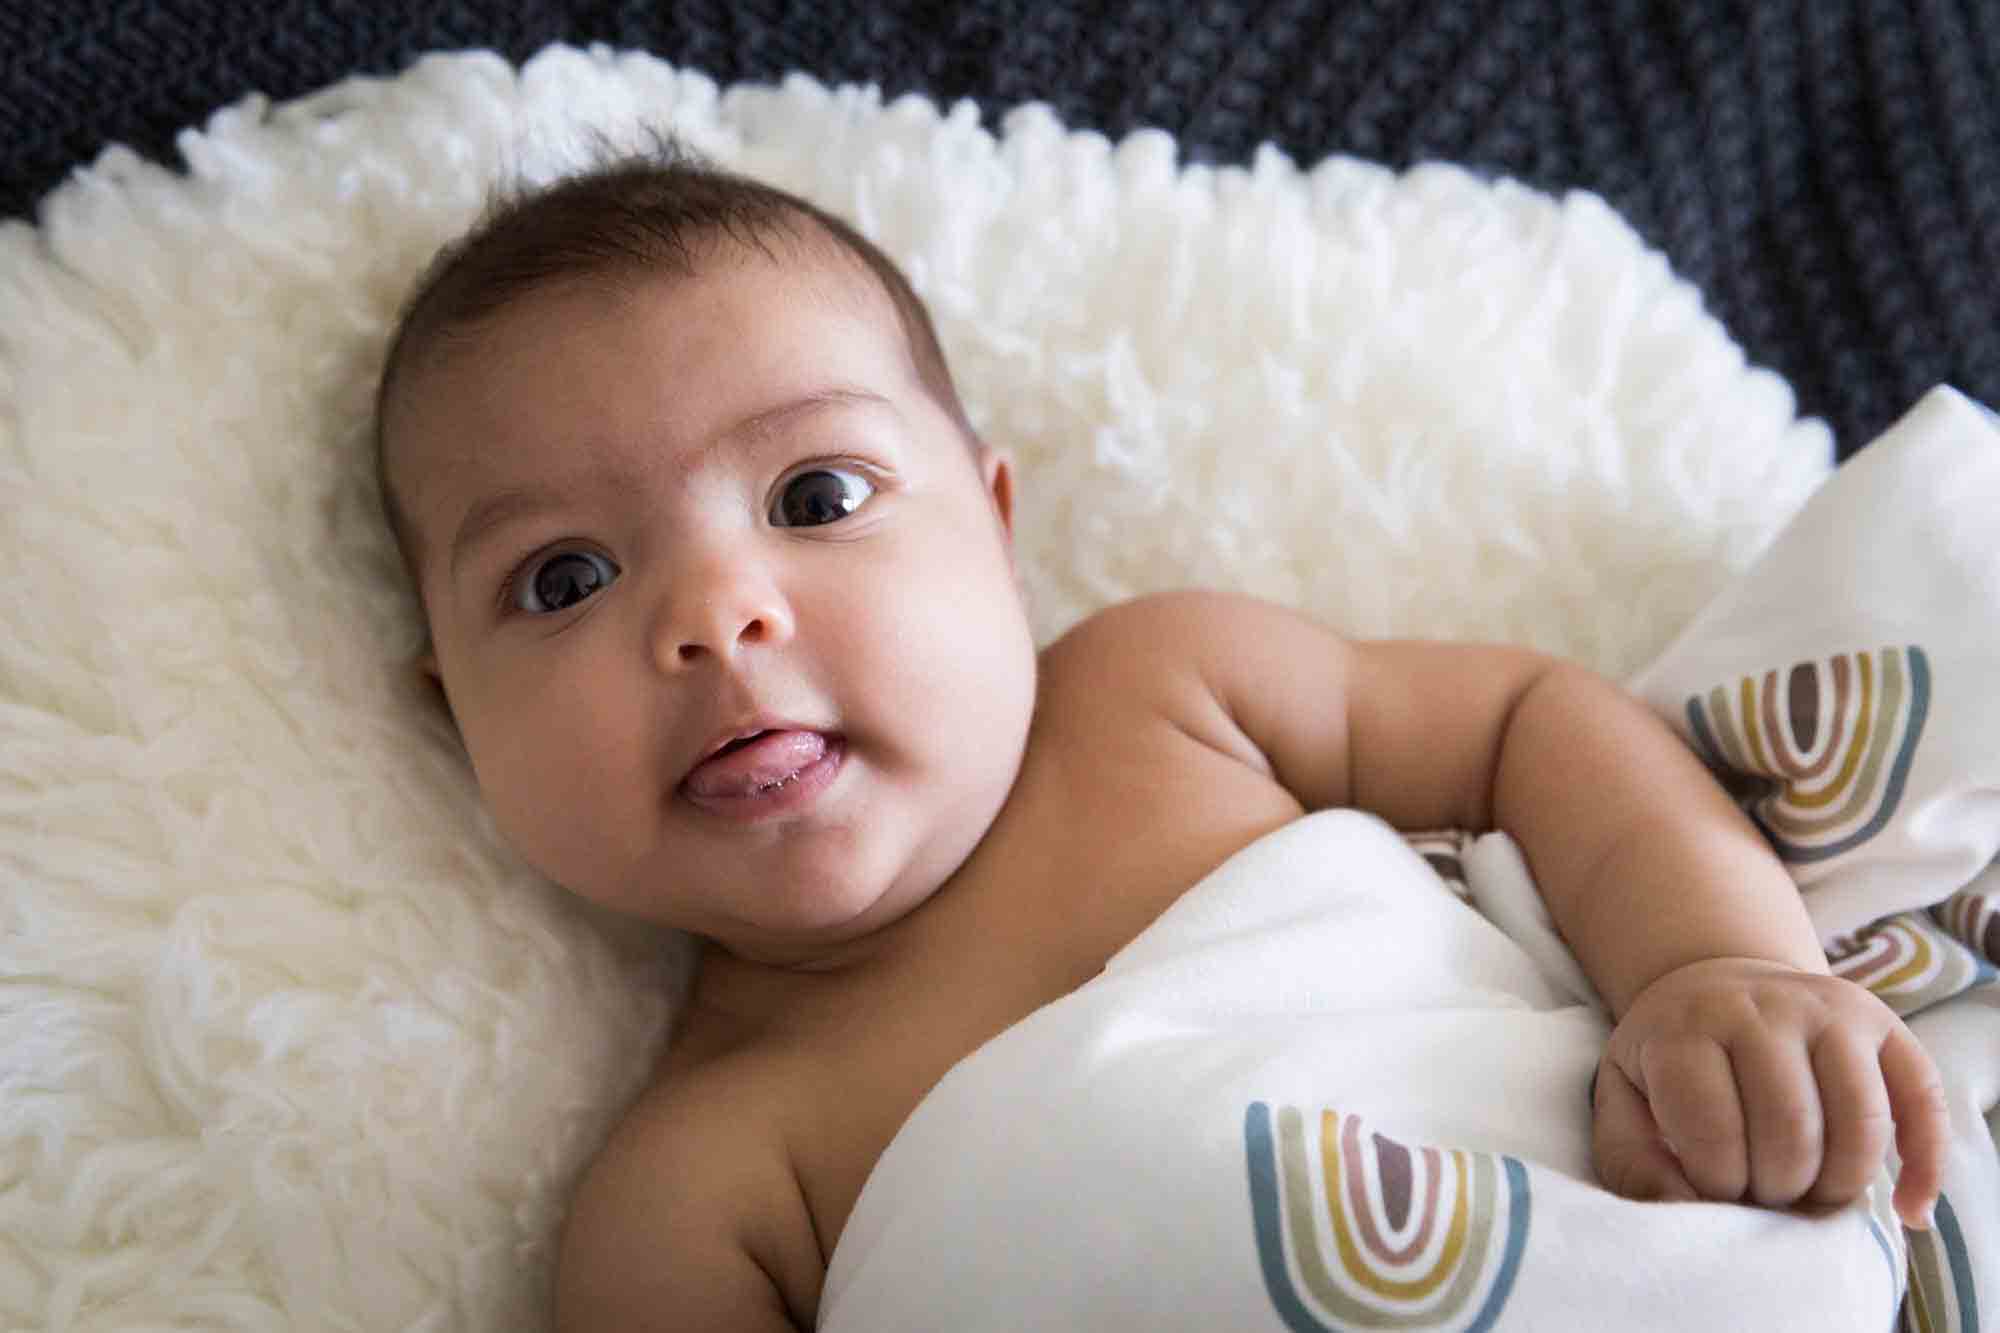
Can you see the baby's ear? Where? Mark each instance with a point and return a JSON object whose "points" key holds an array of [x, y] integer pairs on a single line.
{"points": [[996, 471], [427, 671]]}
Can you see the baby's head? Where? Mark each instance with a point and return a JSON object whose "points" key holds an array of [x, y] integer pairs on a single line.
{"points": [[718, 579]]}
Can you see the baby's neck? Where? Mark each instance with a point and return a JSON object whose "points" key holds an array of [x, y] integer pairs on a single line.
{"points": [[751, 994]]}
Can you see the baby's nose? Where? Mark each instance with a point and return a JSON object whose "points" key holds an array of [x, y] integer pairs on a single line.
{"points": [[736, 605]]}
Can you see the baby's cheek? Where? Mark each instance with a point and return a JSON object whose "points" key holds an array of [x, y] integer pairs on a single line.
{"points": [[538, 772], [979, 665]]}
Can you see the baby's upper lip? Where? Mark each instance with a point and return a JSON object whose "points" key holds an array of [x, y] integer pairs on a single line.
{"points": [[737, 731]]}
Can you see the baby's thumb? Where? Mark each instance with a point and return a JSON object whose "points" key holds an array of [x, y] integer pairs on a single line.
{"points": [[1625, 1144]]}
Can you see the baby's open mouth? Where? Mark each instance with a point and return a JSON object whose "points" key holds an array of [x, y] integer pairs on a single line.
{"points": [[753, 769]]}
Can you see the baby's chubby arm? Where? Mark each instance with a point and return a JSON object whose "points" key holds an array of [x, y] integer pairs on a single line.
{"points": [[690, 1217], [1772, 1080]]}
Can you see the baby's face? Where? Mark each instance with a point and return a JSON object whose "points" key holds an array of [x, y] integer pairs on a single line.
{"points": [[746, 528]]}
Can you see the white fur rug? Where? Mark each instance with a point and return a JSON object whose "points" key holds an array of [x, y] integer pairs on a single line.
{"points": [[287, 1039]]}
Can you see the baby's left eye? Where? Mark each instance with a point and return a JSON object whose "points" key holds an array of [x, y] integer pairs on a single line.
{"points": [[820, 496]]}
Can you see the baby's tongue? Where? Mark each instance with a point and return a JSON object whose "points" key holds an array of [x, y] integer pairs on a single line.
{"points": [[765, 761]]}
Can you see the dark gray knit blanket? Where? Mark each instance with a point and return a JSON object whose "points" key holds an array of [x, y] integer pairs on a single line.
{"points": [[1827, 171]]}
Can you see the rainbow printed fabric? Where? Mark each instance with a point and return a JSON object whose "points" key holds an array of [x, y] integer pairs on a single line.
{"points": [[1841, 687], [1831, 746], [1914, 960], [1422, 1235], [1820, 754]]}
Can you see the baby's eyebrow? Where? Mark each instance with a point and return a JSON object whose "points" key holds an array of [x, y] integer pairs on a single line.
{"points": [[766, 420], [496, 511], [485, 520]]}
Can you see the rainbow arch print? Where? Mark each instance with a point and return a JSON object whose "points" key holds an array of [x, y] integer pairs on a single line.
{"points": [[1942, 1296], [1909, 961], [1833, 740], [1972, 915], [1357, 1231]]}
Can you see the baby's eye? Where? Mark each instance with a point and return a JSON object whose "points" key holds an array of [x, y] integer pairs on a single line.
{"points": [[561, 581], [820, 496]]}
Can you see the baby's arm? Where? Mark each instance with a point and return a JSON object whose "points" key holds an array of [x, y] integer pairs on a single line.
{"points": [[1739, 1068], [689, 1218], [1773, 1080]]}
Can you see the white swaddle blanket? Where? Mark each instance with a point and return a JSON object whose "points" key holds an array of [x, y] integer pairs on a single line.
{"points": [[1318, 1092]]}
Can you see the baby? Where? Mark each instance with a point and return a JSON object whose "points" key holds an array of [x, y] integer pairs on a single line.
{"points": [[722, 599]]}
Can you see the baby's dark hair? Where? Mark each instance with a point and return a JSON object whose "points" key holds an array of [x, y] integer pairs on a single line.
{"points": [[628, 213]]}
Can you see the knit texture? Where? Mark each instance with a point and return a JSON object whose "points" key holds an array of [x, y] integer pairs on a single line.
{"points": [[1827, 171]]}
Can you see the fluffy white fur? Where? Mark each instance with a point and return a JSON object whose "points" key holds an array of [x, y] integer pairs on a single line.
{"points": [[287, 1038]]}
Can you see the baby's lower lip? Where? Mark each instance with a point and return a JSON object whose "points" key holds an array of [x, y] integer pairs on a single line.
{"points": [[780, 772]]}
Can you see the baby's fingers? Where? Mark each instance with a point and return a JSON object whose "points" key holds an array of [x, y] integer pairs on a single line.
{"points": [[1923, 1124], [1692, 1089], [1781, 1108], [1625, 1143], [1858, 1123]]}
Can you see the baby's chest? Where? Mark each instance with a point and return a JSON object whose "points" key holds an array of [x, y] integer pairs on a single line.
{"points": [[1116, 832]]}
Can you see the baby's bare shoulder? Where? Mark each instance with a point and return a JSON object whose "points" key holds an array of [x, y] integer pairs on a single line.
{"points": [[1162, 656], [1166, 635], [691, 1215], [1160, 622]]}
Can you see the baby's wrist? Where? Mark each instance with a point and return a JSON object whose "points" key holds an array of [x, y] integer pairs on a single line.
{"points": [[1724, 969]]}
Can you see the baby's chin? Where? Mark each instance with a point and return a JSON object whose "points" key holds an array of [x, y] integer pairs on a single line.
{"points": [[841, 890], [826, 926]]}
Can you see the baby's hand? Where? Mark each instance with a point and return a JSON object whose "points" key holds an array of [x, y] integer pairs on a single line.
{"points": [[1732, 1078]]}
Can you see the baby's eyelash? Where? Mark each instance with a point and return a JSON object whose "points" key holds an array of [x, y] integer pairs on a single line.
{"points": [[503, 601], [874, 471]]}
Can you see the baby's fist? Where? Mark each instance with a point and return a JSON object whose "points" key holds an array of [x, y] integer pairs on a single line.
{"points": [[1738, 1079]]}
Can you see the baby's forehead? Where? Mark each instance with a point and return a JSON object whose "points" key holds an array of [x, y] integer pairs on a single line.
{"points": [[812, 275], [810, 279], [820, 273], [811, 265]]}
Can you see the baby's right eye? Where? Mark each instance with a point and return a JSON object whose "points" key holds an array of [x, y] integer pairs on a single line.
{"points": [[553, 579]]}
